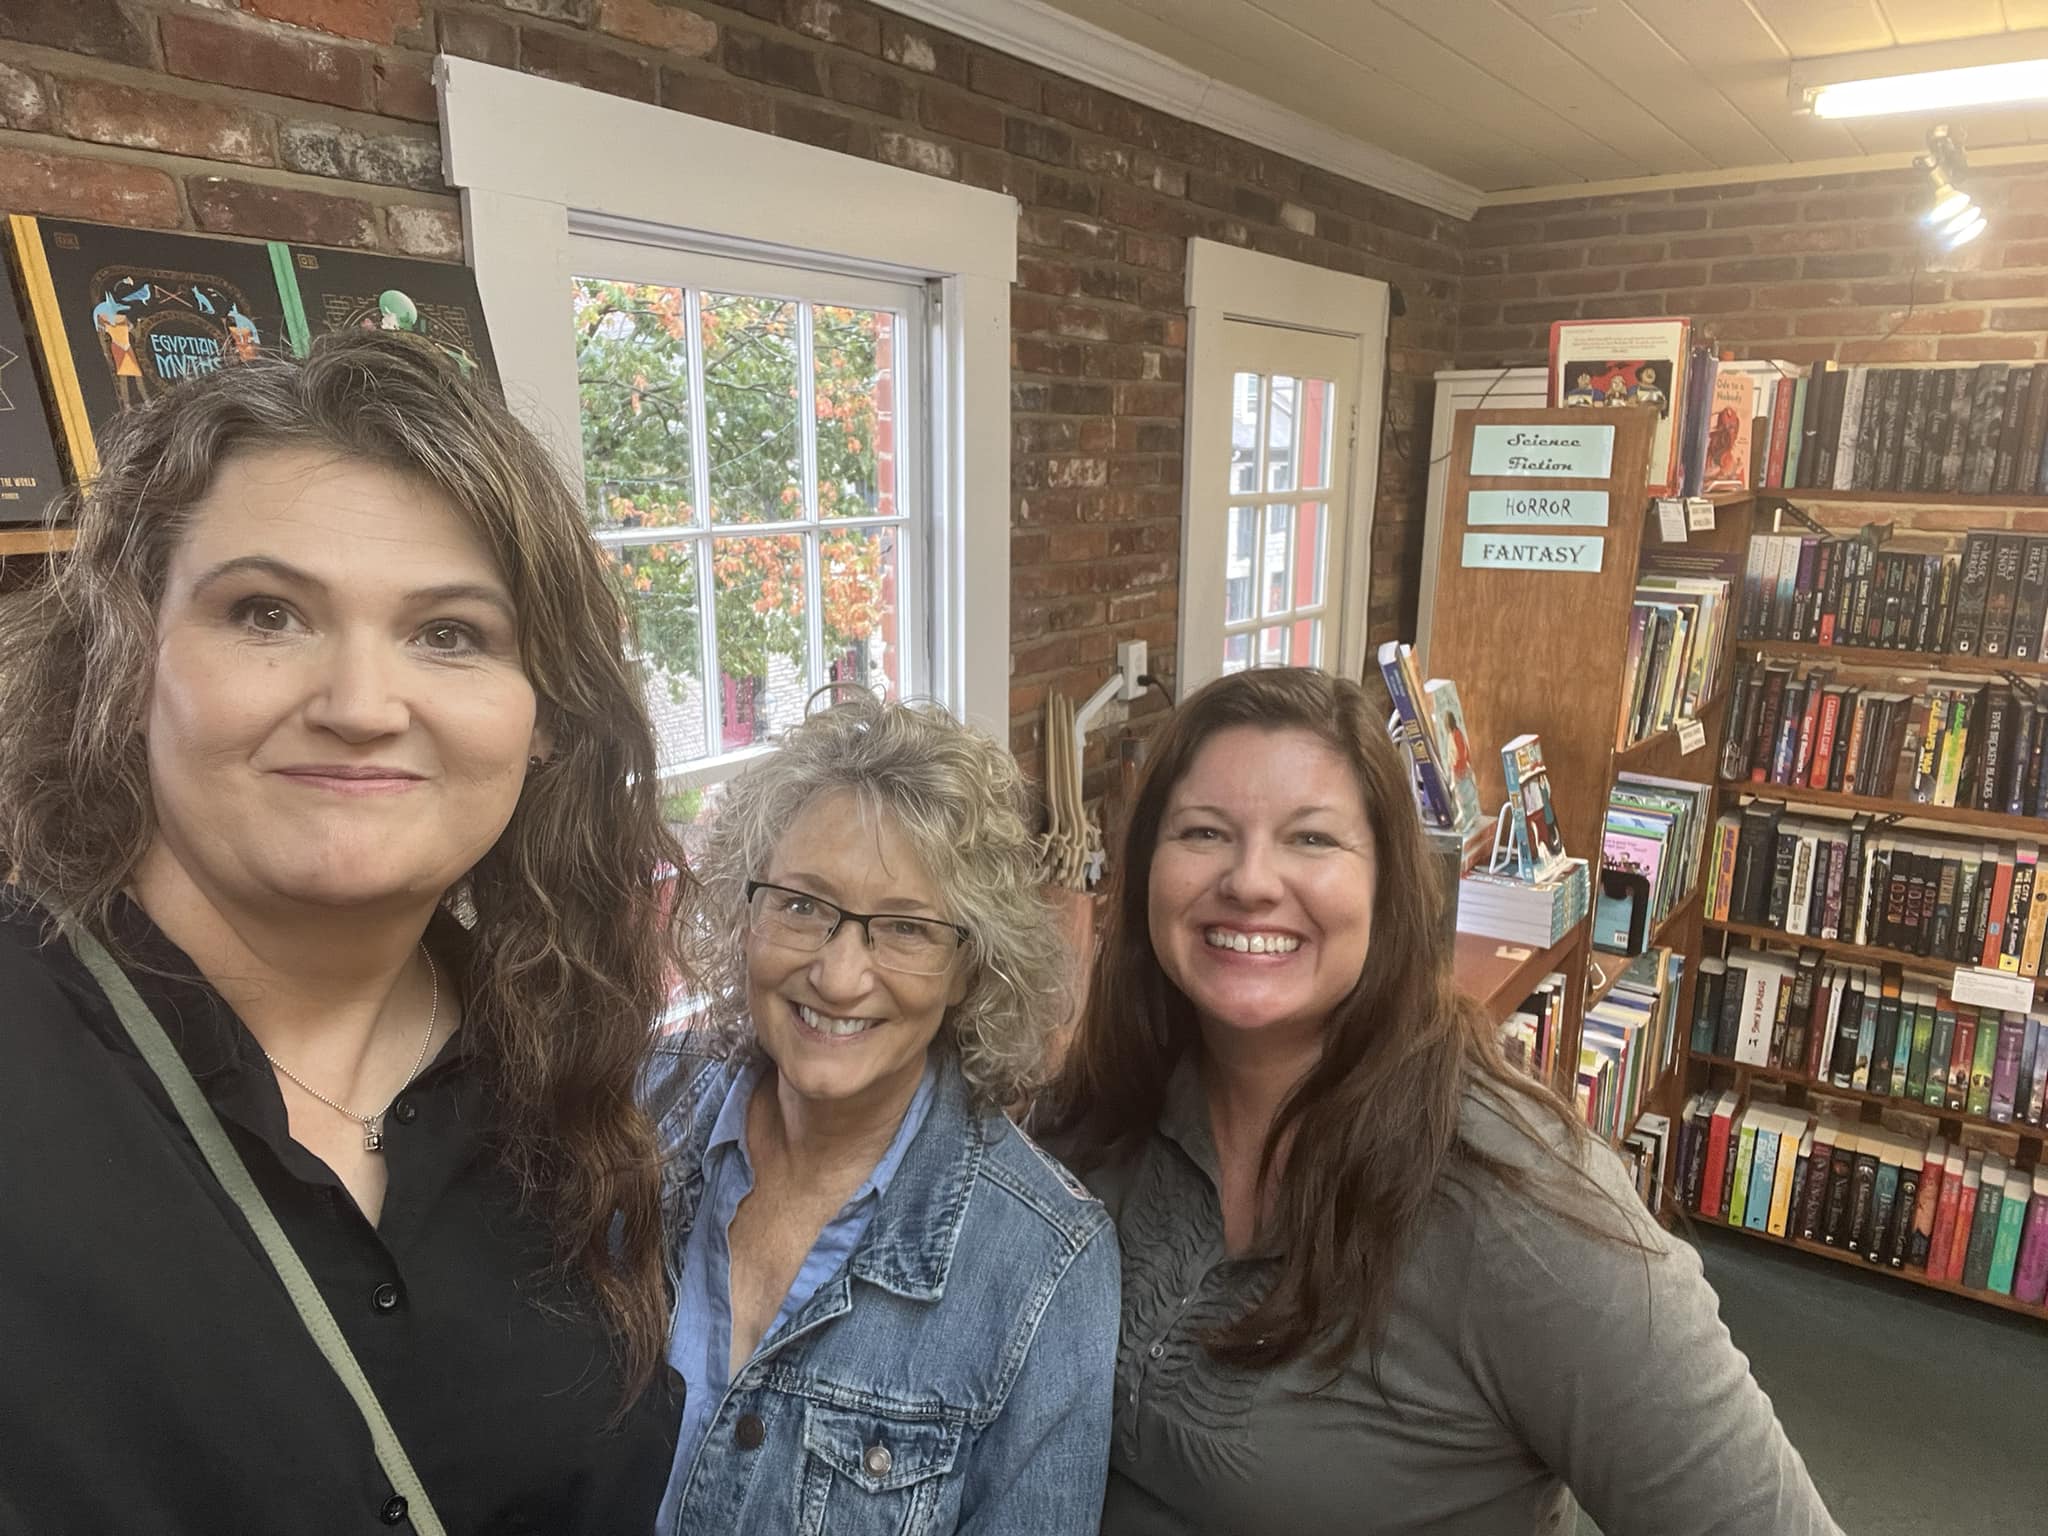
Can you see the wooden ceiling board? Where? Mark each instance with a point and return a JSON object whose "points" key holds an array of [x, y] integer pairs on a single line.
{"points": [[1648, 78], [1737, 55], [1369, 36], [1936, 21], [1811, 28], [1508, 48], [2025, 15]]}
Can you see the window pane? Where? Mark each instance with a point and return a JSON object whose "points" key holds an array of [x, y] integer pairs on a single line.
{"points": [[633, 374], [1318, 416], [1237, 564], [859, 578], [1312, 550], [1244, 433], [750, 409], [660, 585], [761, 636], [1280, 424], [1274, 563], [854, 361], [1306, 643], [1273, 648], [1237, 652]]}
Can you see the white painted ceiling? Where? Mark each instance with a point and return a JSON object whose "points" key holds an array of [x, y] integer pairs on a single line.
{"points": [[1506, 94]]}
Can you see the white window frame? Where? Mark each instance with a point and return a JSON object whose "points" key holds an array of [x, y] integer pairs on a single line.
{"points": [[1225, 282], [538, 162]]}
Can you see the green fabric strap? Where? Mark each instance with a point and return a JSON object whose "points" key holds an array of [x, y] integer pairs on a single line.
{"points": [[226, 1163]]}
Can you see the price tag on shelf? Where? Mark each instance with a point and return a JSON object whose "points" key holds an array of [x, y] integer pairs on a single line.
{"points": [[1671, 519], [1992, 989], [1513, 952], [1699, 514], [1691, 736]]}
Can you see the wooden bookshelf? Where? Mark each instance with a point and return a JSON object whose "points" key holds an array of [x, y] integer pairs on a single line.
{"points": [[1638, 756], [1906, 663], [1991, 503], [1499, 973], [1849, 954], [1911, 810], [1794, 1077], [1842, 1255], [1669, 934], [37, 541]]}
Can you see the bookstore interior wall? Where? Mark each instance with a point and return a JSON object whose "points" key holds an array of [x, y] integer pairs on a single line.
{"points": [[315, 124]]}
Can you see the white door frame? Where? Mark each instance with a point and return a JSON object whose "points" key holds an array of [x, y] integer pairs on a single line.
{"points": [[1228, 283]]}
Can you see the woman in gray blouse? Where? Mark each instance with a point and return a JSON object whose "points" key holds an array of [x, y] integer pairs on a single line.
{"points": [[1373, 1279]]}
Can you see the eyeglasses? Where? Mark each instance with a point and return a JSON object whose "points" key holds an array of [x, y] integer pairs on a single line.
{"points": [[917, 946]]}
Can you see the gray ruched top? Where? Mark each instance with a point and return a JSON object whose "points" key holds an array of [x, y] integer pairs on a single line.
{"points": [[1522, 1358]]}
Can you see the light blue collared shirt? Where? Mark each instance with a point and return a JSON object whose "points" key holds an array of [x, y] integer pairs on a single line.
{"points": [[700, 1338]]}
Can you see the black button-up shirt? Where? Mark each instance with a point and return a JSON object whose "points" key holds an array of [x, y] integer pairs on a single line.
{"points": [[153, 1373]]}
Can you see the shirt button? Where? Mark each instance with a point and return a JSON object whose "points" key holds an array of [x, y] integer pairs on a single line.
{"points": [[385, 1299], [749, 1432], [405, 1112], [393, 1510], [878, 1461], [1156, 1351]]}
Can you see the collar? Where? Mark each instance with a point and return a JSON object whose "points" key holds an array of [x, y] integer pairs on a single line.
{"points": [[730, 1128], [1184, 1117]]}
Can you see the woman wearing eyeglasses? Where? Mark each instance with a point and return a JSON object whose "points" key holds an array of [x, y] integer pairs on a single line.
{"points": [[894, 1314]]}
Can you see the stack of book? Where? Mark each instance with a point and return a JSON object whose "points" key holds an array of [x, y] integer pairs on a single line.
{"points": [[1646, 1150], [1626, 1041], [1971, 430], [1895, 1194], [1847, 880], [1874, 1031], [1531, 1032], [1947, 742], [1538, 912], [1429, 722], [1990, 599], [1676, 629]]}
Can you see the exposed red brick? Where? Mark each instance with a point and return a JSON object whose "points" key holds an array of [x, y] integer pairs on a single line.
{"points": [[878, 91], [959, 116], [659, 24], [1638, 278], [850, 26], [1007, 79], [108, 112], [372, 21], [914, 153], [827, 130], [927, 52], [716, 97], [753, 56], [263, 59], [77, 187], [405, 87], [24, 104], [103, 28], [1898, 350], [420, 230], [468, 35], [577, 61], [227, 207]]}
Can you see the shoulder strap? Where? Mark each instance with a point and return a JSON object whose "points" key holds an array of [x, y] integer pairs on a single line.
{"points": [[227, 1166]]}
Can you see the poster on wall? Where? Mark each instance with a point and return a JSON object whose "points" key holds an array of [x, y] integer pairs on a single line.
{"points": [[1601, 363]]}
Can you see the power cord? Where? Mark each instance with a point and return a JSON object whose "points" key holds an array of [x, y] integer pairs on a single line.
{"points": [[1147, 680]]}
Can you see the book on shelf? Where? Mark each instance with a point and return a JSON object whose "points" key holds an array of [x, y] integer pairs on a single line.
{"points": [[1540, 912], [1653, 831], [1530, 1034], [1538, 842], [30, 475], [1730, 433], [1454, 750], [330, 292], [1626, 1040], [1415, 727], [1678, 624], [1646, 1151], [1628, 362]]}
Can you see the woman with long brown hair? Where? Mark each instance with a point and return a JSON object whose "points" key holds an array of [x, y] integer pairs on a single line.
{"points": [[331, 962], [1374, 1279]]}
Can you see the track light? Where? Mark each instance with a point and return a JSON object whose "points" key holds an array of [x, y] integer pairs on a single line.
{"points": [[1954, 216], [1934, 90]]}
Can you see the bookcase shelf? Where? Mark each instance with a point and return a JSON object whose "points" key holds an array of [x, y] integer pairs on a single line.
{"points": [[1910, 1276], [1851, 954], [1950, 815], [37, 541], [1801, 1079], [1497, 980], [1992, 503], [1905, 662], [1666, 935], [1639, 756]]}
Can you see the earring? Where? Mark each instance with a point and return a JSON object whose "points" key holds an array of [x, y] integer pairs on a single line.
{"points": [[536, 762]]}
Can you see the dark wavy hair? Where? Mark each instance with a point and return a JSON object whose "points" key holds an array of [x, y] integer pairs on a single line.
{"points": [[571, 923], [1372, 1131]]}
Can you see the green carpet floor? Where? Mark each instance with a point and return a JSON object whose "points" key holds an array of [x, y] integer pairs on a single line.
{"points": [[1918, 1414]]}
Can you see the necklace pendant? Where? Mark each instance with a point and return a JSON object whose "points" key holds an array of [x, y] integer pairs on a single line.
{"points": [[373, 1138]]}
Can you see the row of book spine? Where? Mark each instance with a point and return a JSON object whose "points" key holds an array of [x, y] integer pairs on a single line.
{"points": [[1872, 1031], [1960, 1215], [1974, 431], [1848, 881], [1990, 599], [1966, 744], [1530, 1034]]}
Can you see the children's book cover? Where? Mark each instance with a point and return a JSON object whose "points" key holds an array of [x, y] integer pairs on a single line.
{"points": [[1537, 837], [1447, 715], [29, 471], [331, 291], [1729, 432], [121, 315]]}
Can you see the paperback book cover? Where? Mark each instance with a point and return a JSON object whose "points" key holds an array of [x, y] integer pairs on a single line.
{"points": [[1537, 838], [1728, 434], [121, 315], [1626, 362], [328, 291], [29, 471]]}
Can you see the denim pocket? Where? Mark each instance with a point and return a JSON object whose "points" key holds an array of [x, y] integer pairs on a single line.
{"points": [[868, 1474]]}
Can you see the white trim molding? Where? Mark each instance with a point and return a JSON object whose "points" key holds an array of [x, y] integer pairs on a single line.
{"points": [[537, 161], [1035, 32]]}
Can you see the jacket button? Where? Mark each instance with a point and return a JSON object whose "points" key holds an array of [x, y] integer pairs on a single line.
{"points": [[749, 1432], [385, 1299], [405, 1112], [393, 1510], [878, 1461]]}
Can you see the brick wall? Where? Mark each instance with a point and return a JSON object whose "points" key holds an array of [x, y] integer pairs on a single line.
{"points": [[313, 120], [1836, 267]]}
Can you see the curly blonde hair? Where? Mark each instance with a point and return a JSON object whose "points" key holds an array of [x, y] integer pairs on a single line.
{"points": [[960, 801]]}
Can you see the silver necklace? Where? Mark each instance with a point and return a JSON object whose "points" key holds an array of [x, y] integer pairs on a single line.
{"points": [[373, 1125]]}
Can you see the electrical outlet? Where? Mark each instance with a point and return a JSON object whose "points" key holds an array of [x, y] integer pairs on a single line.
{"points": [[1130, 660]]}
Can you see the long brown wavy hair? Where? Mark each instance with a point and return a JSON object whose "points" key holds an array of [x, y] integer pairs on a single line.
{"points": [[1372, 1130], [572, 927]]}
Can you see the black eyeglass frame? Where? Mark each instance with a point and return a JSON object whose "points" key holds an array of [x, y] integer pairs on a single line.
{"points": [[863, 918]]}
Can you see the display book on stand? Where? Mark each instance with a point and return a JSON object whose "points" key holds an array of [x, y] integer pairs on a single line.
{"points": [[1890, 675]]}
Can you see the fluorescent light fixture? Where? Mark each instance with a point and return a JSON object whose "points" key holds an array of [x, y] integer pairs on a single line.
{"points": [[1967, 233], [1936, 90], [1958, 219], [1948, 205]]}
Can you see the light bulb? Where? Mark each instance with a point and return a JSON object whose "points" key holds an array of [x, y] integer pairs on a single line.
{"points": [[1960, 217], [1967, 233], [1948, 205]]}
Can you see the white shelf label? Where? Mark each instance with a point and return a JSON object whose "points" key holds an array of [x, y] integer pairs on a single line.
{"points": [[1691, 736], [1582, 509], [1571, 453], [1992, 989], [1671, 519], [1699, 514], [1533, 552]]}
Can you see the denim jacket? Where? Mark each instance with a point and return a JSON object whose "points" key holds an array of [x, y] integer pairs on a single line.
{"points": [[955, 1376]]}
